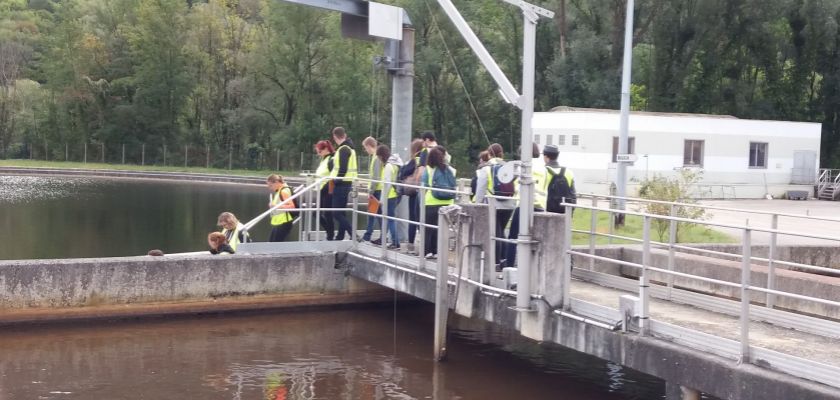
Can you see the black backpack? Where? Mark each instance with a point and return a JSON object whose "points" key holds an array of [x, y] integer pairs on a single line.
{"points": [[296, 201], [558, 189]]}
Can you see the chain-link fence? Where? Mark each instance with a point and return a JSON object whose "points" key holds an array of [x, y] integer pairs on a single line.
{"points": [[250, 156]]}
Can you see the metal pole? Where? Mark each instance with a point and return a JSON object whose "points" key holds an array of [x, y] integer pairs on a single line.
{"points": [[318, 215], [102, 151], [526, 209], [383, 231], [441, 288], [672, 239], [186, 155], [353, 214], [208, 157], [164, 155], [771, 268], [85, 153], [644, 279], [745, 296], [422, 229], [230, 156], [593, 222], [402, 96], [278, 160], [143, 154], [123, 153], [491, 256], [626, 76], [46, 150], [66, 152], [567, 259]]}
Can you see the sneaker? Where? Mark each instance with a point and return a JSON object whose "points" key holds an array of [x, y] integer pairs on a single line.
{"points": [[376, 242], [431, 256], [393, 246], [501, 266]]}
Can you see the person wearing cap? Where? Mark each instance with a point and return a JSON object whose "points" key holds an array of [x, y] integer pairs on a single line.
{"points": [[542, 178]]}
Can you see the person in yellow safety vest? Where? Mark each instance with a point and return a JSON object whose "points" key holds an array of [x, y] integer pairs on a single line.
{"points": [[374, 188], [281, 219], [325, 150], [345, 170], [485, 183], [391, 164], [436, 161], [232, 229], [542, 179], [218, 244]]}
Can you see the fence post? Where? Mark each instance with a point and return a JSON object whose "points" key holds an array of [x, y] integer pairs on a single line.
{"points": [[143, 154], [85, 153], [566, 274], [278, 160], [186, 155], [441, 287], [422, 229], [644, 280], [102, 151], [230, 156], [593, 224], [208, 156], [66, 152], [355, 224], [46, 150], [672, 239], [771, 268], [383, 208], [123, 153], [746, 253], [164, 155]]}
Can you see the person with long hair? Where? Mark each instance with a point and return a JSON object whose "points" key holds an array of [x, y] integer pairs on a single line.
{"points": [[233, 230], [436, 164], [325, 150], [410, 174], [281, 218]]}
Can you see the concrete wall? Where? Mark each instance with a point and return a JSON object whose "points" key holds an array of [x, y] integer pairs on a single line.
{"points": [[90, 288]]}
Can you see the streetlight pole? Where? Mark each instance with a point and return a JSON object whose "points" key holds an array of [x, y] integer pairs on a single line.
{"points": [[623, 145]]}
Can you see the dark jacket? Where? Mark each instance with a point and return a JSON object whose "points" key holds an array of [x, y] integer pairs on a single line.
{"points": [[344, 156], [225, 248]]}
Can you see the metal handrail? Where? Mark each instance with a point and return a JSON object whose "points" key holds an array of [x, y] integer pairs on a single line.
{"points": [[299, 192]]}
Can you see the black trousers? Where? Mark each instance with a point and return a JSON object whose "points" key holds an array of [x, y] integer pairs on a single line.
{"points": [[326, 216], [339, 200], [280, 232], [502, 219], [430, 246]]}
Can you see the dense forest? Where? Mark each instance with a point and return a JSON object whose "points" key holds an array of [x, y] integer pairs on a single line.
{"points": [[259, 78]]}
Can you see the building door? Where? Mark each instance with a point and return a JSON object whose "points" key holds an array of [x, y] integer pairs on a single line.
{"points": [[804, 168]]}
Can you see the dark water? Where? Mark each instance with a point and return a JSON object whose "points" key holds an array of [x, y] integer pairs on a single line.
{"points": [[351, 354], [69, 217]]}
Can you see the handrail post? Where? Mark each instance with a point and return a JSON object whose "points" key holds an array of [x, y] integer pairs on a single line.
{"points": [[672, 239], [442, 287], [306, 226], [745, 297], [318, 213], [567, 258], [593, 222], [353, 213], [422, 229], [491, 254], [383, 207], [644, 280], [771, 268]]}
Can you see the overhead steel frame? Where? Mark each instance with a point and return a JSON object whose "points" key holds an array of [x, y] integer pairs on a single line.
{"points": [[399, 60]]}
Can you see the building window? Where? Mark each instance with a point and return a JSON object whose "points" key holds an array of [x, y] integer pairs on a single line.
{"points": [[561, 140], [631, 146], [758, 155], [575, 140], [693, 153], [549, 139], [537, 139]]}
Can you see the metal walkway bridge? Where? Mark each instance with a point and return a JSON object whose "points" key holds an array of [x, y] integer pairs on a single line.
{"points": [[734, 321]]}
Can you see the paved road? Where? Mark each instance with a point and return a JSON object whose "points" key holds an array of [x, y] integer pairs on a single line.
{"points": [[754, 210]]}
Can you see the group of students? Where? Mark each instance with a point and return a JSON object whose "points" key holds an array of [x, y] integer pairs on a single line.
{"points": [[428, 167], [553, 186]]}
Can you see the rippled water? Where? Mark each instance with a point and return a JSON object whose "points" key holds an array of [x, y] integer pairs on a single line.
{"points": [[68, 217], [350, 354]]}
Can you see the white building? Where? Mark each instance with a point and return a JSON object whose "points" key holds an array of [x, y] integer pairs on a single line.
{"points": [[739, 158]]}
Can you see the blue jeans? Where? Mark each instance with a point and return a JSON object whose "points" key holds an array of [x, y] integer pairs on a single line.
{"points": [[373, 221], [392, 225], [339, 200]]}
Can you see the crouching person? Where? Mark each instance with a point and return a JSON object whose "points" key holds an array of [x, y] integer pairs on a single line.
{"points": [[218, 244]]}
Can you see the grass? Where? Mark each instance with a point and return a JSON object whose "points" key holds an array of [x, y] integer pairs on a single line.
{"points": [[633, 227], [131, 167]]}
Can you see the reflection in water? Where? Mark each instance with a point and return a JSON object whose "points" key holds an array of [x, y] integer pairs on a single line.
{"points": [[67, 217], [307, 355]]}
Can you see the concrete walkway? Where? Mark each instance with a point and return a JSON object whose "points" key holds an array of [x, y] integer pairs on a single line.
{"points": [[754, 212]]}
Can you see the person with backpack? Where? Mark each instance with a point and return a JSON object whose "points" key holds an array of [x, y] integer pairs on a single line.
{"points": [[552, 184], [325, 150], [437, 175], [483, 159], [391, 164], [488, 183], [281, 217], [410, 174]]}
